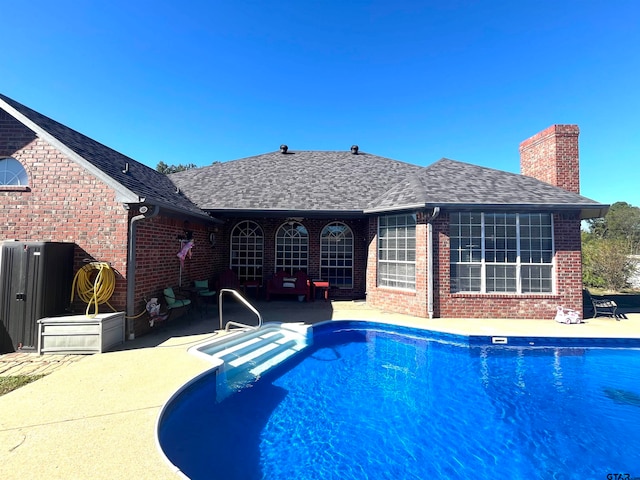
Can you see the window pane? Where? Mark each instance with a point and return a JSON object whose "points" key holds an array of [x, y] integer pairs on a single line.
{"points": [[246, 251], [396, 251], [465, 278], [292, 242], [501, 278], [336, 257], [12, 172], [536, 279], [513, 244]]}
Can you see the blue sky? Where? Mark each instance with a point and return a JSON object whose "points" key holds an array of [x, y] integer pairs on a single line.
{"points": [[203, 81]]}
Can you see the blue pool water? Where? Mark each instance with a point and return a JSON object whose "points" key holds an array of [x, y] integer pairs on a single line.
{"points": [[371, 403]]}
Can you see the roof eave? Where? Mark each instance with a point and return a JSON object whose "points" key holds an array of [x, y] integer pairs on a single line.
{"points": [[396, 208], [174, 211], [123, 194], [587, 211], [279, 213]]}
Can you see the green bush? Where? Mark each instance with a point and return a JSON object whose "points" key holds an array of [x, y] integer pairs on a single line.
{"points": [[606, 264]]}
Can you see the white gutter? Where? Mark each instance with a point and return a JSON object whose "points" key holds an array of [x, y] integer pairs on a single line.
{"points": [[436, 212], [131, 267]]}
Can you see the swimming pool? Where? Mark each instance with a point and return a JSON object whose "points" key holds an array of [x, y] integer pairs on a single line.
{"points": [[376, 401]]}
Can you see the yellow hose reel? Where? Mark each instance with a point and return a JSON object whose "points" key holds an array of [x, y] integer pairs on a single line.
{"points": [[95, 283]]}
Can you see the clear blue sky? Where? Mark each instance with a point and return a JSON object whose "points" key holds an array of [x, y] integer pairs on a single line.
{"points": [[201, 81]]}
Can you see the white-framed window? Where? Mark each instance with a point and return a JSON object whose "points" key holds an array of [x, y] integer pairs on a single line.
{"points": [[247, 251], [336, 255], [292, 248], [12, 173], [501, 252], [397, 251]]}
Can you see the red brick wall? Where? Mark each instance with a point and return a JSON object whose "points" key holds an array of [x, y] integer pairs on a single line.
{"points": [[65, 203], [393, 299], [465, 305], [552, 156], [62, 203], [314, 228], [157, 262]]}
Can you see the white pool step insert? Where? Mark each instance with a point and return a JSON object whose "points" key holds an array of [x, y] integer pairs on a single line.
{"points": [[243, 356]]}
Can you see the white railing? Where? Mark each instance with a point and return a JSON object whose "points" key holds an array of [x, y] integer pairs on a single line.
{"points": [[245, 302]]}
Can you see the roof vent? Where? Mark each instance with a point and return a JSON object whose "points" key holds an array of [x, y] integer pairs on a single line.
{"points": [[283, 149], [354, 149]]}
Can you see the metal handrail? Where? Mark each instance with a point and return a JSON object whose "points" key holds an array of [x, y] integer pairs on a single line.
{"points": [[246, 303]]}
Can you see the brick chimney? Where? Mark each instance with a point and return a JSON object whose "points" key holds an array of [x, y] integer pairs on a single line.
{"points": [[552, 156]]}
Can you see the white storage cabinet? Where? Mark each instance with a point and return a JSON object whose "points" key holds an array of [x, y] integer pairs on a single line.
{"points": [[80, 334]]}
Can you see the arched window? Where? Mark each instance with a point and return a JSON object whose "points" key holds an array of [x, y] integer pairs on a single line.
{"points": [[247, 248], [292, 248], [336, 255], [12, 173]]}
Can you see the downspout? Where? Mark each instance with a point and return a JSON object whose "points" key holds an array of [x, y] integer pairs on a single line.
{"points": [[131, 267], [436, 212]]}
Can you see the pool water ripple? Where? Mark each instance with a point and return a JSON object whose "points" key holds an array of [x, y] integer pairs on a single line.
{"points": [[376, 405]]}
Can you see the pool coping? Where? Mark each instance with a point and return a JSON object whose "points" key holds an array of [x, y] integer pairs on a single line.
{"points": [[516, 341]]}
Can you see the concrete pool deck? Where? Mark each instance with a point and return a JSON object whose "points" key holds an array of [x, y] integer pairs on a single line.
{"points": [[94, 416]]}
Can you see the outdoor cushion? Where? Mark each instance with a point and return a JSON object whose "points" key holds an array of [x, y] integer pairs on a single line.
{"points": [[284, 284], [172, 301], [203, 286], [180, 303]]}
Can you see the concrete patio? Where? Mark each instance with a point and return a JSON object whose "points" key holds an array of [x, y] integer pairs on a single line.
{"points": [[94, 416]]}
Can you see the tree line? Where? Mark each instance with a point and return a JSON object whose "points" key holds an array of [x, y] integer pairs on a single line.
{"points": [[608, 248], [180, 167]]}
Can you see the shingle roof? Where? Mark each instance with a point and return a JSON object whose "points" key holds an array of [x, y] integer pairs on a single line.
{"points": [[338, 181], [139, 184], [313, 182], [452, 183], [320, 181]]}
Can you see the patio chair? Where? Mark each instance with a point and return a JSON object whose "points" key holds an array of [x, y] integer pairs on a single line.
{"points": [[282, 283], [175, 302], [601, 305], [202, 289]]}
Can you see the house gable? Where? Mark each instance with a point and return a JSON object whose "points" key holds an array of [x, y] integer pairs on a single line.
{"points": [[133, 182], [62, 202]]}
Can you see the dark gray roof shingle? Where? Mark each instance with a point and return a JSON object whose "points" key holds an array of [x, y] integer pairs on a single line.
{"points": [[338, 181], [314, 182], [452, 183], [140, 183], [321, 181]]}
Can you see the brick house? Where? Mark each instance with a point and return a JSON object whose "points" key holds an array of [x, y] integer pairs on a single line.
{"points": [[448, 240], [59, 185]]}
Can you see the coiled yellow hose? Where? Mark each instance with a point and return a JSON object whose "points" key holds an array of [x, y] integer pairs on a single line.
{"points": [[97, 291]]}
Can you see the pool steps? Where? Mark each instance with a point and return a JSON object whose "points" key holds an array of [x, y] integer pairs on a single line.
{"points": [[245, 355]]}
